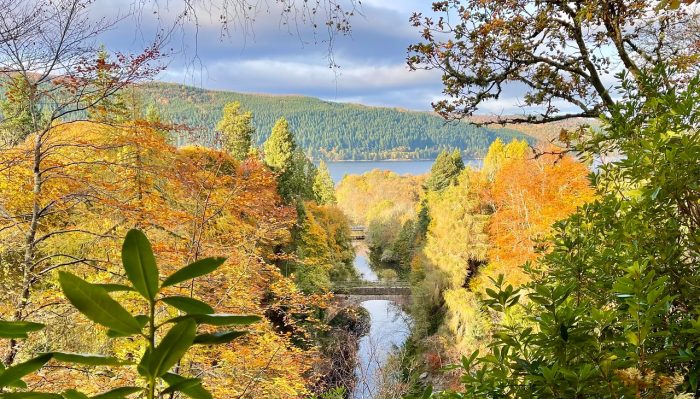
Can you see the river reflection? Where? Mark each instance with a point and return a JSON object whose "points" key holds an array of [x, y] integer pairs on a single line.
{"points": [[362, 264], [389, 329]]}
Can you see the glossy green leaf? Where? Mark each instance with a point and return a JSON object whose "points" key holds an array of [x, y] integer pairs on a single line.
{"points": [[91, 360], [188, 305], [172, 347], [16, 372], [196, 269], [96, 304], [142, 319], [195, 392], [116, 334], [116, 287], [18, 329], [140, 264], [218, 338], [142, 367], [118, 393], [183, 385], [219, 319], [16, 383]]}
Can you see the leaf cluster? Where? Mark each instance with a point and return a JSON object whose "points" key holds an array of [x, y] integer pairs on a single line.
{"points": [[163, 349]]}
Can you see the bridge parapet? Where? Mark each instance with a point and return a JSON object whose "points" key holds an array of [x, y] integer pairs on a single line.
{"points": [[373, 288], [357, 232]]}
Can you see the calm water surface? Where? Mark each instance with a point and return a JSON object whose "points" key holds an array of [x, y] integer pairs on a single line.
{"points": [[338, 169], [389, 324], [389, 329], [362, 263]]}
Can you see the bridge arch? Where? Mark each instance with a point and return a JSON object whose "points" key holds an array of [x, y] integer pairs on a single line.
{"points": [[402, 300]]}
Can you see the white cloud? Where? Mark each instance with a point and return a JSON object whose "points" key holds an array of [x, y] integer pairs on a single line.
{"points": [[270, 57]]}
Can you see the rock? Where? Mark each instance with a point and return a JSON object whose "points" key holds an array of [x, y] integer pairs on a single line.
{"points": [[423, 376]]}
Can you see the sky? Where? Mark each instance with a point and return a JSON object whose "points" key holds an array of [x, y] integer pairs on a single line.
{"points": [[267, 56]]}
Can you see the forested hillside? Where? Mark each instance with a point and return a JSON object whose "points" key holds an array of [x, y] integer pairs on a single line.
{"points": [[134, 265], [324, 129]]}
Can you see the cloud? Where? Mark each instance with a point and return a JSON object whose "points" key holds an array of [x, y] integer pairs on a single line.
{"points": [[296, 75], [281, 56]]}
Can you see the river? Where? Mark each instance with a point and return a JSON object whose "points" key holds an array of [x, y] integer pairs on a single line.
{"points": [[390, 326], [389, 329]]}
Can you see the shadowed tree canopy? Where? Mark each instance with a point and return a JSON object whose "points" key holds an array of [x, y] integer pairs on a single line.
{"points": [[561, 54]]}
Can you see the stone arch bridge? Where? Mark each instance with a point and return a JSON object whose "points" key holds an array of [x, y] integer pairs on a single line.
{"points": [[359, 291]]}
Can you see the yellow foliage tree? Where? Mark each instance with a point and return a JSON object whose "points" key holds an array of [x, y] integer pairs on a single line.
{"points": [[193, 203]]}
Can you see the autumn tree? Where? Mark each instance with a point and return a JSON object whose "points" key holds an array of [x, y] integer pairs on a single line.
{"points": [[445, 170], [58, 66], [611, 306], [324, 189], [499, 154], [237, 130], [562, 53], [194, 202], [527, 197], [377, 193]]}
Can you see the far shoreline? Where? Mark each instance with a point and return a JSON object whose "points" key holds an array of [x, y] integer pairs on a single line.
{"points": [[391, 160]]}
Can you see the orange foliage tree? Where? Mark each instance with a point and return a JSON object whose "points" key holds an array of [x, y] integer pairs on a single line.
{"points": [[528, 196], [193, 203]]}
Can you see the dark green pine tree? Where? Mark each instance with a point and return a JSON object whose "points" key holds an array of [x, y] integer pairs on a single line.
{"points": [[445, 170], [237, 130], [324, 189]]}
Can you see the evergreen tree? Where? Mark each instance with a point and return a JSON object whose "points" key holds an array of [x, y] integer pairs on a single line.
{"points": [[279, 147], [237, 130], [445, 170], [295, 173], [153, 114], [155, 119], [18, 111], [112, 108], [296, 182], [324, 189]]}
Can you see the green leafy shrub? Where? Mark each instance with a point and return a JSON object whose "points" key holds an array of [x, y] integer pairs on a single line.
{"points": [[163, 351], [612, 310]]}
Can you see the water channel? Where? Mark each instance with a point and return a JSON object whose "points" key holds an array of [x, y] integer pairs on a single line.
{"points": [[389, 329]]}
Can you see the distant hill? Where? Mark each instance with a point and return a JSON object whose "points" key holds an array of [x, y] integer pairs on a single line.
{"points": [[544, 132], [326, 129]]}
